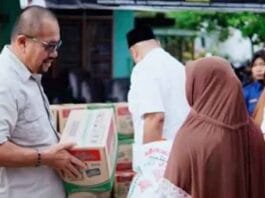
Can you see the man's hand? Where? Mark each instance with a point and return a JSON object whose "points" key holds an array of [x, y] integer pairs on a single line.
{"points": [[61, 160], [153, 127]]}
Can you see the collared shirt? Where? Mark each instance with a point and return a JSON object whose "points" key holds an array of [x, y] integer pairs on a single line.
{"points": [[158, 85], [26, 121], [251, 94]]}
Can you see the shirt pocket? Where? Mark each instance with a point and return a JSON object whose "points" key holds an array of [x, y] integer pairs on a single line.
{"points": [[32, 113], [30, 123]]}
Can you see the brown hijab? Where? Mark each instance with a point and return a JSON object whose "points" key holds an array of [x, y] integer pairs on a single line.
{"points": [[259, 110], [218, 152]]}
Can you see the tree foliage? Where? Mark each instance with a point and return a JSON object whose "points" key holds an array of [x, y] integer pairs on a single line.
{"points": [[250, 24]]}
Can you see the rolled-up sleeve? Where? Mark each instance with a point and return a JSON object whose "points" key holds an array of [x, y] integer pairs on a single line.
{"points": [[8, 112]]}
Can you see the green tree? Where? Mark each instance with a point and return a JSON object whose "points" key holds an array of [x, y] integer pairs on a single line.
{"points": [[250, 24]]}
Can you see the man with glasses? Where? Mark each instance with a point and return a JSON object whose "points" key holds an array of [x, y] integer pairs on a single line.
{"points": [[30, 156]]}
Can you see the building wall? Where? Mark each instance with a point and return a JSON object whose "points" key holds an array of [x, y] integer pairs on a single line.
{"points": [[123, 22], [122, 62]]}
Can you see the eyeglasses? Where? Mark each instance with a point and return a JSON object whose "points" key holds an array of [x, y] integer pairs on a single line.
{"points": [[48, 46]]}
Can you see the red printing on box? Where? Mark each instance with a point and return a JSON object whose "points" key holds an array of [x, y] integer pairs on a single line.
{"points": [[124, 176], [86, 154], [121, 166], [66, 112], [123, 111]]}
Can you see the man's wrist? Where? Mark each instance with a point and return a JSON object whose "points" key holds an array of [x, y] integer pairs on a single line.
{"points": [[39, 159], [45, 157]]}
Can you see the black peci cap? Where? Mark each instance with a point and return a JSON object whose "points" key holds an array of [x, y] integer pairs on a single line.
{"points": [[138, 34]]}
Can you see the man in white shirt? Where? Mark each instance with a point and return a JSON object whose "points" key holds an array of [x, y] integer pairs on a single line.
{"points": [[156, 97]]}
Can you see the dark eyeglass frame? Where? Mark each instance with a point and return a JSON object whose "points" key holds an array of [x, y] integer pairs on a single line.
{"points": [[48, 46]]}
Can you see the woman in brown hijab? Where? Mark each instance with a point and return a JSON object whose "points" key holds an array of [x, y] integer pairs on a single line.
{"points": [[259, 112], [218, 152]]}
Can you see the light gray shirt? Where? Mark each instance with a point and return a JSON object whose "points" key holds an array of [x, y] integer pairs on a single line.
{"points": [[26, 121]]}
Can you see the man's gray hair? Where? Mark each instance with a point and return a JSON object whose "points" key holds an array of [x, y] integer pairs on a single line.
{"points": [[30, 21]]}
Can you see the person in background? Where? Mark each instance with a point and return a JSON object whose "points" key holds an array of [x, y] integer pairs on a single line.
{"points": [[253, 90], [219, 151], [157, 92], [31, 158]]}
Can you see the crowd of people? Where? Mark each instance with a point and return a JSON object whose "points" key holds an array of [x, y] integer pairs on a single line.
{"points": [[218, 150]]}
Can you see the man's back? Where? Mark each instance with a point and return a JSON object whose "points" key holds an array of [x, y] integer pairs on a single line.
{"points": [[158, 85]]}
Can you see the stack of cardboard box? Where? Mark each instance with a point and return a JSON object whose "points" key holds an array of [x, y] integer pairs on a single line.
{"points": [[123, 174], [94, 132], [61, 113]]}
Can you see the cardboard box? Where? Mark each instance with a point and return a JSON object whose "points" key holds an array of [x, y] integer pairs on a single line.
{"points": [[122, 183], [64, 111], [124, 161], [91, 195], [100, 105], [124, 121], [122, 115], [54, 112], [94, 132]]}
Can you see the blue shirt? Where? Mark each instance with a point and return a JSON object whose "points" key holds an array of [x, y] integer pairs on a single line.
{"points": [[251, 94]]}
